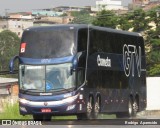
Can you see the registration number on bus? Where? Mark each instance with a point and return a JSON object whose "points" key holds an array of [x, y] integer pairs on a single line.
{"points": [[45, 110]]}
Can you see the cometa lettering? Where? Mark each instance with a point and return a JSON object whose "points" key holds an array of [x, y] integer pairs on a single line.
{"points": [[103, 62]]}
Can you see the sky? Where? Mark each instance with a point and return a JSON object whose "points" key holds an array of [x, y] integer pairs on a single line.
{"points": [[28, 5]]}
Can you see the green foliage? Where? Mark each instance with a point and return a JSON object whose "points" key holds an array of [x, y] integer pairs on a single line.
{"points": [[154, 70], [82, 17], [12, 112], [139, 21], [153, 57], [154, 16], [106, 18], [124, 23], [9, 47]]}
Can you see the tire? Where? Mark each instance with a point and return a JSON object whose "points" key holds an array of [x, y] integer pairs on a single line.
{"points": [[89, 112], [132, 110], [96, 108], [135, 108]]}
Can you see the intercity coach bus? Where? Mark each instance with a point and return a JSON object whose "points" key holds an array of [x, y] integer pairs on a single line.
{"points": [[80, 70]]}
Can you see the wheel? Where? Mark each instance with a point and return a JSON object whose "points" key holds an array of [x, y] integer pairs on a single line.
{"points": [[89, 112], [42, 117], [135, 108], [90, 108], [132, 110], [96, 108]]}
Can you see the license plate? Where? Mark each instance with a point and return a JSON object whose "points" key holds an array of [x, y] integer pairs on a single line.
{"points": [[45, 110]]}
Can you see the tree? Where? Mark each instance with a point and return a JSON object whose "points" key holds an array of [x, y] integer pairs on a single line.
{"points": [[154, 16], [124, 22], [139, 21], [106, 18], [9, 47], [153, 39], [81, 17]]}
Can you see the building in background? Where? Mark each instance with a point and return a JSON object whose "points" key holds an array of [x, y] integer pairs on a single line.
{"points": [[50, 20], [46, 12], [120, 4], [21, 15], [108, 5], [14, 25]]}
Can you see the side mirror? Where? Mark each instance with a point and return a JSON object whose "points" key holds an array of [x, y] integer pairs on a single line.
{"points": [[72, 70], [11, 64]]}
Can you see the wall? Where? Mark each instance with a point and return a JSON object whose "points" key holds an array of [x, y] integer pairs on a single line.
{"points": [[153, 93], [15, 26]]}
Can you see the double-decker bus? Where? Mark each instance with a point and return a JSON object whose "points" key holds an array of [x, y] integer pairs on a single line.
{"points": [[80, 70]]}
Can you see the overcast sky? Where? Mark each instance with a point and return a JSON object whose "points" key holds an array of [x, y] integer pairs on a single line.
{"points": [[28, 5]]}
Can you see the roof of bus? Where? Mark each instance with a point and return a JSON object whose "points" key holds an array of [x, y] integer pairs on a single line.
{"points": [[57, 26], [115, 31], [79, 26]]}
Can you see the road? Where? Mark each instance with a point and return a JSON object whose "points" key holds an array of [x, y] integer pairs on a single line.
{"points": [[84, 126], [101, 123], [143, 120]]}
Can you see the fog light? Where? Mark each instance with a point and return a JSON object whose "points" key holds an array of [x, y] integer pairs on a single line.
{"points": [[70, 107]]}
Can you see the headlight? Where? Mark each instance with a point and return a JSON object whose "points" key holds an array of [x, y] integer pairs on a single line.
{"points": [[50, 103], [23, 101], [69, 99]]}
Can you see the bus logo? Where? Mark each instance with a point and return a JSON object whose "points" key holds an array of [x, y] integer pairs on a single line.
{"points": [[103, 62], [45, 61], [23, 47], [45, 103], [131, 60]]}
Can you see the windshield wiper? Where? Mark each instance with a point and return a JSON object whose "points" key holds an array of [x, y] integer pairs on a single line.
{"points": [[60, 89], [31, 90]]}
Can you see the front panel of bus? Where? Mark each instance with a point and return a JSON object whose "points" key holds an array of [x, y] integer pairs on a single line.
{"points": [[46, 77]]}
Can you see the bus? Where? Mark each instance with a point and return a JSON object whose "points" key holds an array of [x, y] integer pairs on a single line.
{"points": [[80, 70]]}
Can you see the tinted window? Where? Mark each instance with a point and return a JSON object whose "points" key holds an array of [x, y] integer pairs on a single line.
{"points": [[48, 44], [100, 41], [82, 40]]}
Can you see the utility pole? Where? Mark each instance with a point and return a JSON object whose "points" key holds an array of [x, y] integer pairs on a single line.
{"points": [[6, 16], [6, 12]]}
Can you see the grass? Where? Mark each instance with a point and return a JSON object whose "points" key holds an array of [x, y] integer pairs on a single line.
{"points": [[106, 116], [12, 112], [64, 117]]}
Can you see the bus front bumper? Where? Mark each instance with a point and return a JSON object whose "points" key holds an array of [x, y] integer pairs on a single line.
{"points": [[64, 106]]}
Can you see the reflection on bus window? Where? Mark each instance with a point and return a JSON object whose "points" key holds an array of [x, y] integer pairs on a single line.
{"points": [[46, 77]]}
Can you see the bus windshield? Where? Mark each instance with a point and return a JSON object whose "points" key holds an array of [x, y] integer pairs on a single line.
{"points": [[48, 44], [46, 78]]}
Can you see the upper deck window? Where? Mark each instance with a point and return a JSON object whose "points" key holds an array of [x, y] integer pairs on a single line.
{"points": [[48, 44]]}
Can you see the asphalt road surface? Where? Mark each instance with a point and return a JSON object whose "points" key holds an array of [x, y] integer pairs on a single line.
{"points": [[143, 120], [86, 126], [102, 123]]}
